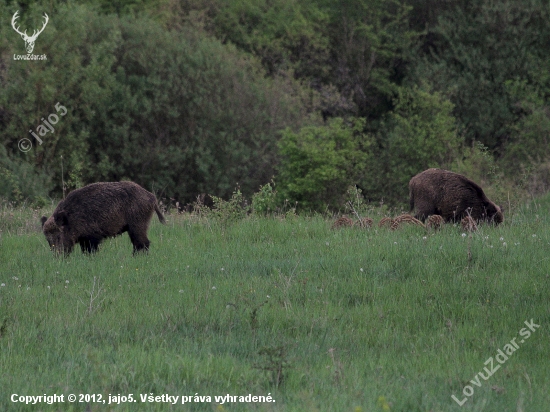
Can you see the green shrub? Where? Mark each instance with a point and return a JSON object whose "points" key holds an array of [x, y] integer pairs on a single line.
{"points": [[529, 142], [264, 200], [20, 182], [319, 163], [232, 210]]}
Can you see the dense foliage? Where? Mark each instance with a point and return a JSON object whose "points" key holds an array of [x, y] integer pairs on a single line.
{"points": [[203, 96]]}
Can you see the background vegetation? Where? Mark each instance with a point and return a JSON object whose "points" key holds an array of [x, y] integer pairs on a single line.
{"points": [[204, 96]]}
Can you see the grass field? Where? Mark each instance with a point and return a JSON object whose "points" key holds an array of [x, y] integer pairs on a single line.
{"points": [[317, 319]]}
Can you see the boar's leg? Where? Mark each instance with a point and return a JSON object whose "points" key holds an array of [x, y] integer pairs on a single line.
{"points": [[425, 209], [139, 240], [89, 245]]}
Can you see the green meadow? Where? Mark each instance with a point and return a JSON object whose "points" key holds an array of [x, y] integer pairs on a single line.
{"points": [[309, 318]]}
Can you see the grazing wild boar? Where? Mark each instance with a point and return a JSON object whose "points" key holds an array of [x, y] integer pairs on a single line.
{"points": [[451, 195], [100, 210]]}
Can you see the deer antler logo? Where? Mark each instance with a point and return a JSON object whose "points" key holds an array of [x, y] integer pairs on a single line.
{"points": [[29, 40]]}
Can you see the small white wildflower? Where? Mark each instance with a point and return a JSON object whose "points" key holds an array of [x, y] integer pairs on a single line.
{"points": [[534, 235], [15, 278], [66, 281], [361, 269], [395, 243], [222, 269], [501, 239], [504, 244], [516, 244], [181, 290], [268, 296], [48, 287], [213, 287], [28, 288], [326, 243], [424, 237], [57, 273], [463, 235], [2, 285]]}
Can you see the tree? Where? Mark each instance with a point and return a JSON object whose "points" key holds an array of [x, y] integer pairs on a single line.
{"points": [[369, 44], [475, 50], [178, 112]]}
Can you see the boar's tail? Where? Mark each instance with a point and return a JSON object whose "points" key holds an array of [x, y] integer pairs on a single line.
{"points": [[159, 214]]}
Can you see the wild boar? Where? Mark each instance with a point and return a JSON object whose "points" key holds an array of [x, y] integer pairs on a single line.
{"points": [[98, 211], [451, 195]]}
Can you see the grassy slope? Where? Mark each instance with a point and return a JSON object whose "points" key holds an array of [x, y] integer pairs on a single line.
{"points": [[367, 320]]}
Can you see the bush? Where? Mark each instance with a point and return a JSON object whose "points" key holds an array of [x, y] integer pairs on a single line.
{"points": [[264, 200], [529, 142], [232, 210], [20, 182], [319, 163]]}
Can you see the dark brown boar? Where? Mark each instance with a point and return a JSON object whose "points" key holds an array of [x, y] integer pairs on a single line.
{"points": [[98, 211], [451, 195]]}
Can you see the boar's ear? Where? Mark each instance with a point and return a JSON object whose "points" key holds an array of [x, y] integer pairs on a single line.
{"points": [[43, 220], [60, 218]]}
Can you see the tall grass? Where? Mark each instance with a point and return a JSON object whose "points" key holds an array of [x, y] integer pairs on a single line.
{"points": [[321, 319]]}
